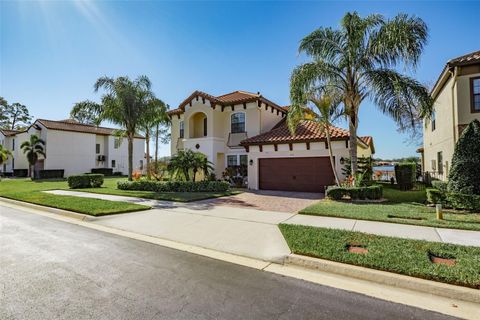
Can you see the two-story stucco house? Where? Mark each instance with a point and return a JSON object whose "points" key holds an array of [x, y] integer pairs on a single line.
{"points": [[73, 147], [243, 128], [456, 97]]}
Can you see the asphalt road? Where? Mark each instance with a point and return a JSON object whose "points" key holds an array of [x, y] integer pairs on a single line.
{"points": [[54, 270]]}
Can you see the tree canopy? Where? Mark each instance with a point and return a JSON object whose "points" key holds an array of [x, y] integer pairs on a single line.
{"points": [[13, 116], [360, 60]]}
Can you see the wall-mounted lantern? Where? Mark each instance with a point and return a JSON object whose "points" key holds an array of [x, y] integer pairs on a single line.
{"points": [[250, 162], [342, 160]]}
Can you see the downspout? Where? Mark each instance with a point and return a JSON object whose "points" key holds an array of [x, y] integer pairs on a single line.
{"points": [[454, 77]]}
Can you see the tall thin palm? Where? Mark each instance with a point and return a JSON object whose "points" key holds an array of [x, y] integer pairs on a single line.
{"points": [[328, 111], [124, 103], [154, 115], [33, 149], [359, 60]]}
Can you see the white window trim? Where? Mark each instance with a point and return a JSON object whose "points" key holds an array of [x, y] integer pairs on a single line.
{"points": [[230, 124], [238, 158]]}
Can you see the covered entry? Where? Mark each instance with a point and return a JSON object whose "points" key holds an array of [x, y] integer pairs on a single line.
{"points": [[309, 174]]}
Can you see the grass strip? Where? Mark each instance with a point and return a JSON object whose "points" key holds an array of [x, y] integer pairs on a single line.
{"points": [[402, 256], [93, 207], [404, 207]]}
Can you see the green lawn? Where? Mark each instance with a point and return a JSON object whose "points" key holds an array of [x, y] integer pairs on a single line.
{"points": [[94, 207], [406, 207], [403, 256], [30, 191]]}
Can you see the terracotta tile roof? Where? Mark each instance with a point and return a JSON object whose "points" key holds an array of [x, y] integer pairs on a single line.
{"points": [[306, 131], [368, 140], [232, 98], [9, 133], [469, 58], [74, 126]]}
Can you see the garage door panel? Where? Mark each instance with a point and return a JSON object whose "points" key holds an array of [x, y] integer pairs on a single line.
{"points": [[295, 174]]}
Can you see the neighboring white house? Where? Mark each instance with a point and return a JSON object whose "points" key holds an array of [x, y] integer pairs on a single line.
{"points": [[242, 128], [73, 147], [456, 97]]}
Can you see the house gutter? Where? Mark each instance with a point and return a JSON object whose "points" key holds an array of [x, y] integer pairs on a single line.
{"points": [[454, 75]]}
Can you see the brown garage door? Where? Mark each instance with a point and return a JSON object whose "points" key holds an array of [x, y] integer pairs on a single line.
{"points": [[295, 174]]}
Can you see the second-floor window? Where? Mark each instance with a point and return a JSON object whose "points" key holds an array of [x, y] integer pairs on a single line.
{"points": [[116, 143], [238, 122], [475, 88], [182, 130], [205, 131], [97, 148], [433, 121]]}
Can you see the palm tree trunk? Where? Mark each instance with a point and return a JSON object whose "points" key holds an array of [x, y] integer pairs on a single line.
{"points": [[353, 143], [330, 153], [130, 155], [157, 133], [147, 140]]}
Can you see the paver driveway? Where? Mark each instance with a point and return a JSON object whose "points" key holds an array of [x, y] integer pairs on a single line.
{"points": [[279, 201]]}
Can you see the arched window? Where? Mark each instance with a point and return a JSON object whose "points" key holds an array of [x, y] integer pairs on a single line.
{"points": [[238, 122]]}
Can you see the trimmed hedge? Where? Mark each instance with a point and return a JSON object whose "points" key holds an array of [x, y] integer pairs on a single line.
{"points": [[374, 192], [463, 201], [174, 186], [104, 171], [51, 174], [85, 181], [405, 174], [20, 173], [435, 196]]}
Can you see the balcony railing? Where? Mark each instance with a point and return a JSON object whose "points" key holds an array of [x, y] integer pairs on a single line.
{"points": [[234, 139]]}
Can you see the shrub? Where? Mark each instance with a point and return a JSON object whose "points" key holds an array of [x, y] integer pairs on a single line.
{"points": [[440, 186], [104, 171], [464, 174], [51, 174], [20, 173], [335, 193], [85, 181], [405, 174], [435, 196], [463, 201], [174, 186], [374, 192]]}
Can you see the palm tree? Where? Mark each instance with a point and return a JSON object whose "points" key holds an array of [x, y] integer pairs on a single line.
{"points": [[124, 104], [4, 154], [182, 163], [201, 164], [327, 104], [359, 61], [33, 148], [155, 114]]}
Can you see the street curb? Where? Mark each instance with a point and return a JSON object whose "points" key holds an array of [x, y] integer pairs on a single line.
{"points": [[386, 278], [65, 213]]}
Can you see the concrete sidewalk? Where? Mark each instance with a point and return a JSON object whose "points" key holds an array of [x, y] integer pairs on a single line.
{"points": [[249, 232]]}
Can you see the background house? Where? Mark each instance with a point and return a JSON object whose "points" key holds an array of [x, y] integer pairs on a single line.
{"points": [[75, 148], [456, 97], [242, 128]]}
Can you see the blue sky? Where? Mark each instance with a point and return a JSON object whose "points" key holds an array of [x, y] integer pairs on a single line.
{"points": [[51, 53]]}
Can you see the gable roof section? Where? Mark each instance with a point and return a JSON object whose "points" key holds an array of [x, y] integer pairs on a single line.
{"points": [[465, 60], [9, 133], [74, 126], [229, 99]]}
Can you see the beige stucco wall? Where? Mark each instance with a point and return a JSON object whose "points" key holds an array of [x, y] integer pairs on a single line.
{"points": [[441, 139], [449, 115], [465, 116]]}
